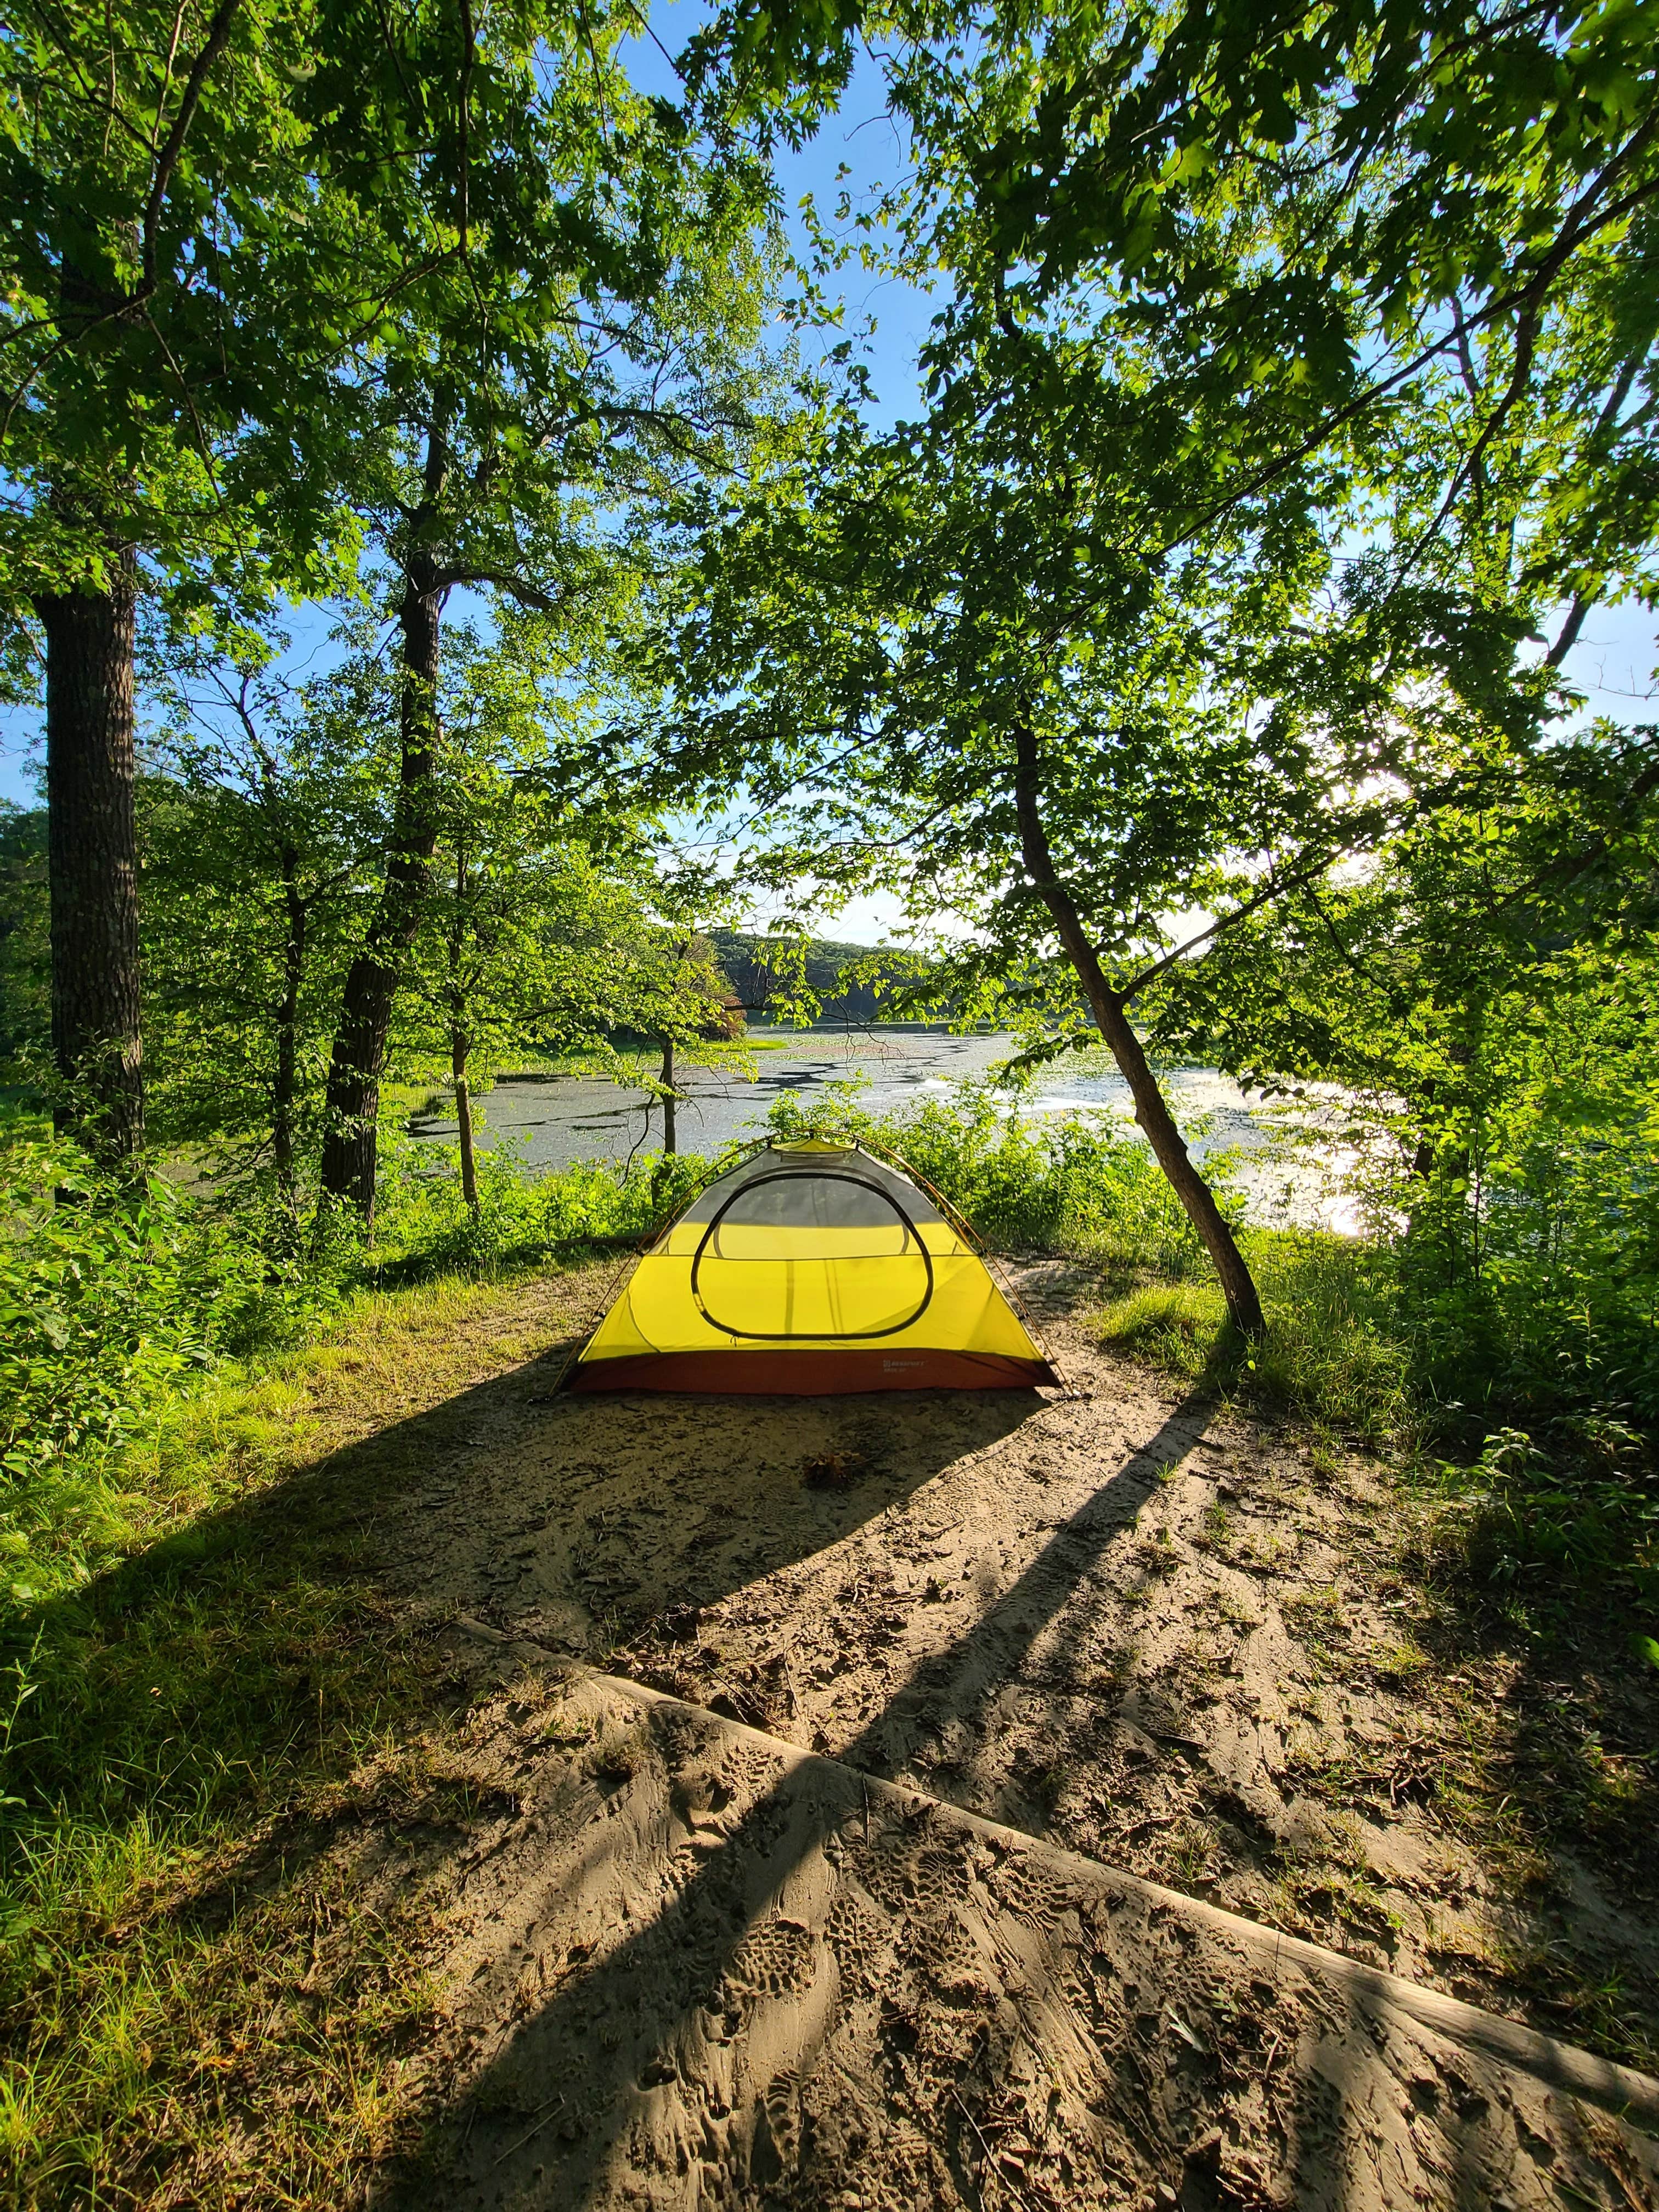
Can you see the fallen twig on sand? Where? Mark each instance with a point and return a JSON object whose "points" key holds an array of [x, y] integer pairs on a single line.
{"points": [[547, 2111]]}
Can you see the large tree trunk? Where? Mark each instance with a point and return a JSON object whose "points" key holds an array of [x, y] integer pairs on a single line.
{"points": [[1158, 1124], [93, 861], [285, 1091]]}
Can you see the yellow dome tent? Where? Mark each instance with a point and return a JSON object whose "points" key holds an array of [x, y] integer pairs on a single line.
{"points": [[812, 1267]]}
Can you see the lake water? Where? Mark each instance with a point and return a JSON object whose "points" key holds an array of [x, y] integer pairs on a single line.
{"points": [[552, 1121]]}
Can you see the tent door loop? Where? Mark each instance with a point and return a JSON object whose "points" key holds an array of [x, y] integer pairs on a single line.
{"points": [[786, 1336]]}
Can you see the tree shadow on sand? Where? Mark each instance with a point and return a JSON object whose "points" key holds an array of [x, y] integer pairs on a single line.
{"points": [[275, 1684], [690, 1945], [267, 1633], [824, 1985], [215, 1726]]}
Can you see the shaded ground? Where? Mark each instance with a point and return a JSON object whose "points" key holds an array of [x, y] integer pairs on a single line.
{"points": [[1172, 1639], [703, 1970], [505, 1934]]}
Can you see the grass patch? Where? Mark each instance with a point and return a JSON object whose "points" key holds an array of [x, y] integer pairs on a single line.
{"points": [[1216, 1529], [1516, 1521], [1331, 1354], [203, 1997]]}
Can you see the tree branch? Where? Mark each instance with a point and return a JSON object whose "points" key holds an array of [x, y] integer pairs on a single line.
{"points": [[501, 579], [1278, 887], [218, 38], [1570, 630]]}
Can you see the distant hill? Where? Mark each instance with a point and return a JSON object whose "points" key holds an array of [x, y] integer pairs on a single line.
{"points": [[758, 981]]}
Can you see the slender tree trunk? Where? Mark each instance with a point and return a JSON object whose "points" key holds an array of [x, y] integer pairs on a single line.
{"points": [[460, 1042], [92, 860], [371, 986], [460, 1047], [669, 1145], [285, 1091], [1158, 1124]]}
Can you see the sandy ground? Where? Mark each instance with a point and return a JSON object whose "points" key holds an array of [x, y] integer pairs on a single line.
{"points": [[690, 1966], [704, 1969]]}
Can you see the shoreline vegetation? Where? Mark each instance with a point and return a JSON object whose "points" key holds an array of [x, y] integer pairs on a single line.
{"points": [[123, 1312]]}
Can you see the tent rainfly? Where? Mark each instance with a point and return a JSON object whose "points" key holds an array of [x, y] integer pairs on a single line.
{"points": [[811, 1268]]}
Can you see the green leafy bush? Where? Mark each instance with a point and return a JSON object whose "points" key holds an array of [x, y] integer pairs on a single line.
{"points": [[425, 1226], [114, 1297], [1585, 1504], [111, 1293], [1527, 1254]]}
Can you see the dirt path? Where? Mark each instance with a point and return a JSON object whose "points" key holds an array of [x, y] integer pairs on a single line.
{"points": [[1174, 1642]]}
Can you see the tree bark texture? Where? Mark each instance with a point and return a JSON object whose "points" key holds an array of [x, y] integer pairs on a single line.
{"points": [[285, 1089], [460, 1041], [460, 1047], [358, 1060], [1107, 1007], [93, 861]]}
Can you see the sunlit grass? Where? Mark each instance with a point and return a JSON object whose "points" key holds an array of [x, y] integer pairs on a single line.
{"points": [[183, 2016], [249, 1421], [1331, 1354]]}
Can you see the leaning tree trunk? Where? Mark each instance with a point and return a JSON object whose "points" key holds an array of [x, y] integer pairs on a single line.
{"points": [[92, 860], [353, 1102], [1107, 1006]]}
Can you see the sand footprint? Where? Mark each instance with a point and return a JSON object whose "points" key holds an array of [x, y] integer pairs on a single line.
{"points": [[784, 1981]]}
